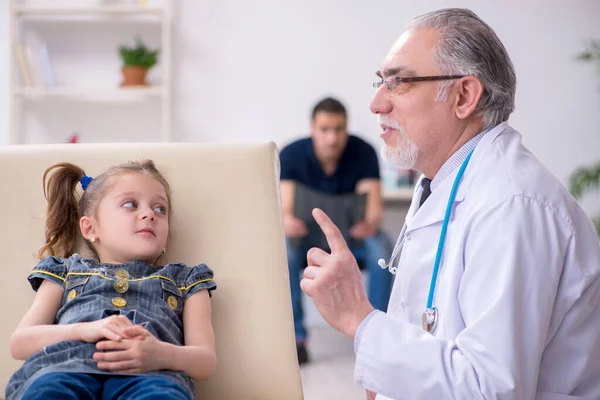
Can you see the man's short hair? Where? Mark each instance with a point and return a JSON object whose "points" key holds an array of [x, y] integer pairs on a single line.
{"points": [[330, 105]]}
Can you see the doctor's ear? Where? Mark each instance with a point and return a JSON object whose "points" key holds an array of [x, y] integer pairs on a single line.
{"points": [[470, 90]]}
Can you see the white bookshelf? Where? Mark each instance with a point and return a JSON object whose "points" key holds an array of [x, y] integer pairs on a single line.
{"points": [[107, 18], [40, 11], [91, 93]]}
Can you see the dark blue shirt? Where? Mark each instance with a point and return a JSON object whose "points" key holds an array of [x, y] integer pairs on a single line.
{"points": [[358, 161]]}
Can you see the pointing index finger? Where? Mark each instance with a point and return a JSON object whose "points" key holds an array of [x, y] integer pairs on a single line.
{"points": [[333, 235]]}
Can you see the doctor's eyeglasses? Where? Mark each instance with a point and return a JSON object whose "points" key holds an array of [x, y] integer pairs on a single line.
{"points": [[392, 82]]}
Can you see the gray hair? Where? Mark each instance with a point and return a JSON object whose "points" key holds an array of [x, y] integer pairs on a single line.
{"points": [[468, 46]]}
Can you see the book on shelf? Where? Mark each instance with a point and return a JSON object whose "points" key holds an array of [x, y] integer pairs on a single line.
{"points": [[46, 65], [35, 64], [23, 65]]}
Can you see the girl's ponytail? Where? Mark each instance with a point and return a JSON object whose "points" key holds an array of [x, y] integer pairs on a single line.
{"points": [[62, 221]]}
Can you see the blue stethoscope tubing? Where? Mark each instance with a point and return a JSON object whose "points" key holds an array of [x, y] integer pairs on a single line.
{"points": [[440, 248]]}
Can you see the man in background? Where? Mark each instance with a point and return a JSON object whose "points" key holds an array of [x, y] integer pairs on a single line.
{"points": [[333, 162]]}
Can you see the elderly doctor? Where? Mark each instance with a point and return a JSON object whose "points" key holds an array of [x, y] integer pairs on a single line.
{"points": [[497, 294]]}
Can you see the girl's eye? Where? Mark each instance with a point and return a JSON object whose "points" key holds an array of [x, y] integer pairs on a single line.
{"points": [[129, 204], [160, 210]]}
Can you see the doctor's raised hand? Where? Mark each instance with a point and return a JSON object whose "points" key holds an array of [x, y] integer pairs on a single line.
{"points": [[334, 282]]}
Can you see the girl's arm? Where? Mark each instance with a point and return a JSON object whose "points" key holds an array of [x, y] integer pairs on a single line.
{"points": [[37, 329], [198, 357], [141, 352]]}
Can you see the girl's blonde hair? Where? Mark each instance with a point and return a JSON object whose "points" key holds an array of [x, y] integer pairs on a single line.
{"points": [[65, 209]]}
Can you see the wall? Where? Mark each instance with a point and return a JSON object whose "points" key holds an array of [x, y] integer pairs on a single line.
{"points": [[250, 71]]}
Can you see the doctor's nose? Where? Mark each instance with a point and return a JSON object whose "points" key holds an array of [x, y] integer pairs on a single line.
{"points": [[380, 103]]}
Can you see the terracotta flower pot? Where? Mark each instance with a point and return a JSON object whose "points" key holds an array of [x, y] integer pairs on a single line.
{"points": [[134, 76]]}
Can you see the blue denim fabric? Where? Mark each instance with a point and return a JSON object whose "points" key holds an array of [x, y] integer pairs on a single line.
{"points": [[78, 386], [380, 280], [154, 299]]}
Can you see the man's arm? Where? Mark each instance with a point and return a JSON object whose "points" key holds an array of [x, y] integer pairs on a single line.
{"points": [[373, 211], [287, 196], [293, 226]]}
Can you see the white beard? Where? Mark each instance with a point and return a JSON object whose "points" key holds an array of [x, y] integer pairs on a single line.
{"points": [[404, 154]]}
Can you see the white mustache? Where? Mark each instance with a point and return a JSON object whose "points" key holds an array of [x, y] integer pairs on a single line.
{"points": [[405, 153], [387, 121]]}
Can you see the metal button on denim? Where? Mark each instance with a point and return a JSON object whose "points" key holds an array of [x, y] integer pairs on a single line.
{"points": [[172, 302], [121, 286], [72, 294], [119, 302], [122, 274]]}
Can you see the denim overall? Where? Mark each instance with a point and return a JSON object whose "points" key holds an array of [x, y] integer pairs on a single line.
{"points": [[151, 296]]}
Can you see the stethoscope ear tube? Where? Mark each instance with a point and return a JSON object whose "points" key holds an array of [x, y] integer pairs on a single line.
{"points": [[397, 250]]}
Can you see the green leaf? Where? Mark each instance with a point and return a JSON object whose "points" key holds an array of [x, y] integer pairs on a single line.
{"points": [[587, 178], [139, 55], [584, 179], [591, 53]]}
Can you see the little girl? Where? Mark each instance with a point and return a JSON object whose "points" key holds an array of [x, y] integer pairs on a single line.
{"points": [[116, 326]]}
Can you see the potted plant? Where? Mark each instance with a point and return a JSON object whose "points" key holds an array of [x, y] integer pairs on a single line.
{"points": [[587, 178], [137, 61]]}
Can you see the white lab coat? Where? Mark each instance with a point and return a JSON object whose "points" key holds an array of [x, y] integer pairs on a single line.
{"points": [[518, 291]]}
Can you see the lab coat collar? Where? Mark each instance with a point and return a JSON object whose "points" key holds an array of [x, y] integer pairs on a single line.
{"points": [[434, 209]]}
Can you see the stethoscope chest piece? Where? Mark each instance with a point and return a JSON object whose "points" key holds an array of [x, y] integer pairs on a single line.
{"points": [[429, 319]]}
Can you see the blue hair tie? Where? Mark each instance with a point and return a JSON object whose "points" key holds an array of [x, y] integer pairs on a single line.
{"points": [[85, 181]]}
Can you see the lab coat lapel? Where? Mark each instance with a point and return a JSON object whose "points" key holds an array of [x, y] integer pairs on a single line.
{"points": [[434, 209]]}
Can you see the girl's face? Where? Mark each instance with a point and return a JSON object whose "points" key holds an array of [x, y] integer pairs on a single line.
{"points": [[131, 221]]}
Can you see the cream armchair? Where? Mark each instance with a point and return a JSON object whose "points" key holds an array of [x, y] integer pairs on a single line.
{"points": [[226, 213]]}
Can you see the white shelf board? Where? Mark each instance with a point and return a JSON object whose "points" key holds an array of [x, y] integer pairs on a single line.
{"points": [[400, 194], [90, 94], [57, 11]]}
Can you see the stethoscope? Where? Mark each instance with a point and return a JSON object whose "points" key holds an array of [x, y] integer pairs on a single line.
{"points": [[430, 315]]}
